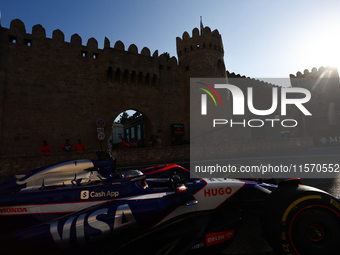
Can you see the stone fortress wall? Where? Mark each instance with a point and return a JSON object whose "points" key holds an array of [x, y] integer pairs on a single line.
{"points": [[56, 90]]}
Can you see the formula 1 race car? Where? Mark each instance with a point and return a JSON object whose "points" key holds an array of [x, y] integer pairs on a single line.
{"points": [[87, 206]]}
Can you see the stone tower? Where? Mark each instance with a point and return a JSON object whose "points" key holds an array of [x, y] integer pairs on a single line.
{"points": [[201, 55]]}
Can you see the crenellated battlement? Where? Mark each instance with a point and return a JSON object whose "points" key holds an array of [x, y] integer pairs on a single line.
{"points": [[316, 79], [253, 81], [17, 34], [115, 62], [315, 73], [324, 86], [208, 40]]}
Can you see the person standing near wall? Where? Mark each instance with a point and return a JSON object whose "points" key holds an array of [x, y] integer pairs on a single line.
{"points": [[134, 143], [79, 146], [158, 141], [67, 146], [151, 142], [45, 148], [122, 144]]}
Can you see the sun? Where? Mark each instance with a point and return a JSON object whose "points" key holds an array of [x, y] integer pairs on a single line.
{"points": [[321, 48]]}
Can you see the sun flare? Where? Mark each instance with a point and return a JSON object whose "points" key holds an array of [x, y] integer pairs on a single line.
{"points": [[321, 49]]}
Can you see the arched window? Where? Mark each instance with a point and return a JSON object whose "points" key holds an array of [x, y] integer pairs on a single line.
{"points": [[125, 76], [117, 76], [133, 77], [109, 74]]}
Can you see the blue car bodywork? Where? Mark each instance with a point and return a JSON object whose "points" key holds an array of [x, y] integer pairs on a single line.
{"points": [[85, 206]]}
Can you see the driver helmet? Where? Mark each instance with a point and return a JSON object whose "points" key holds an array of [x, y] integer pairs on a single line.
{"points": [[132, 173], [135, 173]]}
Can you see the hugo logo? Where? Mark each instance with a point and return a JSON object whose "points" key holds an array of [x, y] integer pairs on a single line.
{"points": [[217, 191]]}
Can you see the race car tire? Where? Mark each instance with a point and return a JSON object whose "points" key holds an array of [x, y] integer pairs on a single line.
{"points": [[302, 220]]}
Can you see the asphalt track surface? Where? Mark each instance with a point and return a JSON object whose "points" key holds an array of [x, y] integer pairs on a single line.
{"points": [[249, 240]]}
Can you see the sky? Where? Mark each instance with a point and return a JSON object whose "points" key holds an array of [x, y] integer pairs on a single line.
{"points": [[262, 38]]}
